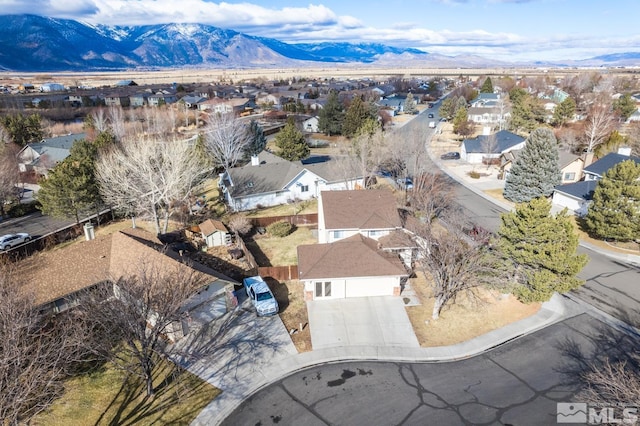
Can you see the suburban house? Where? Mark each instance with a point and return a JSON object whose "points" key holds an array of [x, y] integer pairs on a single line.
{"points": [[215, 233], [342, 214], [570, 165], [351, 267], [120, 100], [578, 195], [484, 115], [485, 100], [487, 147], [58, 278], [40, 157], [269, 180], [310, 125], [161, 98], [223, 106]]}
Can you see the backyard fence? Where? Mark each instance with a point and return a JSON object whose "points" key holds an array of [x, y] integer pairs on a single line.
{"points": [[280, 273], [299, 219]]}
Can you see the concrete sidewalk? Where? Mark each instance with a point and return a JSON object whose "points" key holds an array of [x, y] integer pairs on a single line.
{"points": [[239, 382]]}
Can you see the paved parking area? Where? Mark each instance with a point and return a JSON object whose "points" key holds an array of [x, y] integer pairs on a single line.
{"points": [[358, 321]]}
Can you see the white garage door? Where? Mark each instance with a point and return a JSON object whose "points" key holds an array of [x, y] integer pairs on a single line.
{"points": [[369, 287]]}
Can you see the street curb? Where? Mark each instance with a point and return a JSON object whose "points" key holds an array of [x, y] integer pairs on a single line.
{"points": [[551, 312]]}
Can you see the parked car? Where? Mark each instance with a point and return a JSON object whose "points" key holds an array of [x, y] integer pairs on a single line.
{"points": [[450, 156], [405, 183], [260, 295], [12, 240], [430, 115]]}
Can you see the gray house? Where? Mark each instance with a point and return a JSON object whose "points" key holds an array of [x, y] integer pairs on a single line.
{"points": [[484, 147], [40, 157]]}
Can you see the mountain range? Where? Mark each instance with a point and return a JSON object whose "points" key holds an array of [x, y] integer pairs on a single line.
{"points": [[31, 43]]}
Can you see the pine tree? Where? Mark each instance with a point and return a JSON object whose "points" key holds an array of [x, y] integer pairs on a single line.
{"points": [[487, 86], [624, 106], [410, 105], [564, 112], [291, 142], [542, 250], [357, 113], [71, 187], [257, 139], [536, 171], [331, 116], [615, 210]]}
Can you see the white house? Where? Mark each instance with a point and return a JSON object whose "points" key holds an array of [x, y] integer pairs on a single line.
{"points": [[269, 180], [342, 214], [310, 125], [351, 267], [490, 146]]}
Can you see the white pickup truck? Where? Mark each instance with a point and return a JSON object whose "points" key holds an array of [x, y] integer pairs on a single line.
{"points": [[432, 124], [260, 295]]}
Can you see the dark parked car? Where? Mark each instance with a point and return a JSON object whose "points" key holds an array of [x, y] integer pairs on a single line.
{"points": [[430, 115], [450, 156]]}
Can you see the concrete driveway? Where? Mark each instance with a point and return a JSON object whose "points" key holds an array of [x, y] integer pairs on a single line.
{"points": [[358, 321]]}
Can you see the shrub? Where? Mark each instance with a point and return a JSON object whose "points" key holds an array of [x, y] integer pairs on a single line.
{"points": [[22, 209], [474, 175], [282, 228], [240, 224]]}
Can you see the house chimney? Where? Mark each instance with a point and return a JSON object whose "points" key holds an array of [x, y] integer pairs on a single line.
{"points": [[625, 150], [255, 160], [588, 158]]}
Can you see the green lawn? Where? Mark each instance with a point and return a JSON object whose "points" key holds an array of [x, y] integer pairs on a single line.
{"points": [[107, 397]]}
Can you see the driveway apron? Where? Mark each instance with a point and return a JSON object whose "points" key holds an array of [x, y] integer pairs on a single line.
{"points": [[360, 321]]}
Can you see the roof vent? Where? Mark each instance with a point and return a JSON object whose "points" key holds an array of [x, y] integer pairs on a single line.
{"points": [[625, 150]]}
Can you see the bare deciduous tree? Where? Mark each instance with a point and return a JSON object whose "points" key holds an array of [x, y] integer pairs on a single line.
{"points": [[598, 125], [225, 139], [117, 122], [147, 175], [100, 120], [148, 305], [432, 194], [36, 354], [456, 264], [613, 382]]}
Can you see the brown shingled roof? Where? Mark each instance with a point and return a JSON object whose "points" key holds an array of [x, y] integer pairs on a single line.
{"points": [[210, 226], [370, 209], [396, 239], [356, 256]]}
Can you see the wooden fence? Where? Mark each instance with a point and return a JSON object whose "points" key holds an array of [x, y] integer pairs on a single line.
{"points": [[299, 219], [247, 254], [280, 273]]}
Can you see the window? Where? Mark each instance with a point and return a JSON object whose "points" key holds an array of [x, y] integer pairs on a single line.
{"points": [[338, 234], [374, 233], [569, 176], [323, 289], [304, 188]]}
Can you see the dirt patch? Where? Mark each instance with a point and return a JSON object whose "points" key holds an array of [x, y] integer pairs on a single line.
{"points": [[293, 312], [466, 318], [220, 259]]}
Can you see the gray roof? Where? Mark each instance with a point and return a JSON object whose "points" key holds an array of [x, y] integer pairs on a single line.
{"points": [[274, 173], [583, 189], [58, 148], [600, 167], [504, 140]]}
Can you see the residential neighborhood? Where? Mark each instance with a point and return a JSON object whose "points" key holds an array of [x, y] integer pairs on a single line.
{"points": [[366, 238]]}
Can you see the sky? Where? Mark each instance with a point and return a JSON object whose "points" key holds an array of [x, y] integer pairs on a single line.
{"points": [[509, 30]]}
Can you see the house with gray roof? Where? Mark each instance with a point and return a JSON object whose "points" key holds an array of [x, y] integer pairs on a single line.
{"points": [[269, 180], [577, 196], [490, 146], [40, 157]]}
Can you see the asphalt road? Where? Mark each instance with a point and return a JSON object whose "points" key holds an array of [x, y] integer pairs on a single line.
{"points": [[518, 383], [34, 224]]}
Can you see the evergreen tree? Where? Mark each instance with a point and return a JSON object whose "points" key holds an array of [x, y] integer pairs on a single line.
{"points": [[487, 86], [410, 105], [624, 106], [71, 188], [331, 116], [541, 249], [447, 108], [357, 113], [257, 139], [615, 210], [291, 142], [461, 122], [23, 129], [564, 112], [536, 171]]}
